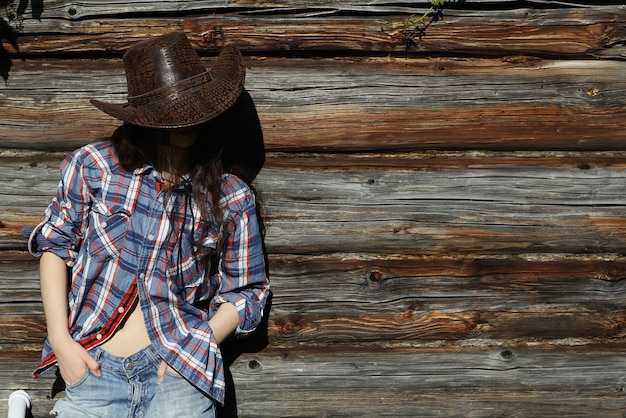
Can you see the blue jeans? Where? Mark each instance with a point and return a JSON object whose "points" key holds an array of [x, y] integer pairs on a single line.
{"points": [[128, 389]]}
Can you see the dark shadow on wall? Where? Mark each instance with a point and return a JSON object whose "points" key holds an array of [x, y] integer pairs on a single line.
{"points": [[240, 129], [11, 24], [232, 349], [243, 155]]}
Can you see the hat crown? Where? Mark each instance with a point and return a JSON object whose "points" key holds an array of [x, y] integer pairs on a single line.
{"points": [[160, 62], [170, 87]]}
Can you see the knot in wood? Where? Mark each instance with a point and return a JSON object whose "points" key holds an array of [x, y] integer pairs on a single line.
{"points": [[254, 364], [507, 355], [471, 326], [213, 34]]}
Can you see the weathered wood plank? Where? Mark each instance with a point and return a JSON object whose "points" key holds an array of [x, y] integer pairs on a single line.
{"points": [[22, 324], [345, 105], [397, 301], [406, 301], [19, 278], [441, 212], [510, 209], [88, 28], [436, 383], [502, 381], [412, 321], [89, 8]]}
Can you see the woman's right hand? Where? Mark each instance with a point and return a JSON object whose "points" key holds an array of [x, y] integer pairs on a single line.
{"points": [[74, 361]]}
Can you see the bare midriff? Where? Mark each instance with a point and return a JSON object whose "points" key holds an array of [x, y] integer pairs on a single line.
{"points": [[130, 337]]}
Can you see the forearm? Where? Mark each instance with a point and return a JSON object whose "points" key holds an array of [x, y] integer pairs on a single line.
{"points": [[73, 359], [54, 288], [224, 322]]}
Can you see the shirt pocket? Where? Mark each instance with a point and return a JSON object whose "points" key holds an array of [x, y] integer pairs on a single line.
{"points": [[106, 232]]}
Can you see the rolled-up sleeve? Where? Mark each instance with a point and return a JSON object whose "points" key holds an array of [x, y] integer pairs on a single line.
{"points": [[60, 231], [242, 272]]}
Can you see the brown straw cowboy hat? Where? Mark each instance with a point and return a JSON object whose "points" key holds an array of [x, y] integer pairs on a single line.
{"points": [[169, 86]]}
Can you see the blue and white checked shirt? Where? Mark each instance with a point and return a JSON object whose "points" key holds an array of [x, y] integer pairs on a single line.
{"points": [[112, 228]]}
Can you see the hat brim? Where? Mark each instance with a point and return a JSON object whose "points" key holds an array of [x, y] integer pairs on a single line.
{"points": [[191, 107]]}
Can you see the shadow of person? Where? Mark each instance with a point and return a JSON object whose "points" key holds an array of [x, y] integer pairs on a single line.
{"points": [[243, 154], [10, 28], [243, 151], [36, 7], [232, 349], [8, 34]]}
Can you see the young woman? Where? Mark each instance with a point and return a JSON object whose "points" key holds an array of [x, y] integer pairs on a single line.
{"points": [[164, 248]]}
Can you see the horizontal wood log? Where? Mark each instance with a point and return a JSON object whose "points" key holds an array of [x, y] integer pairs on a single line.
{"points": [[398, 301], [368, 203], [352, 106], [335, 29], [62, 8], [508, 208], [503, 381], [408, 323], [473, 211]]}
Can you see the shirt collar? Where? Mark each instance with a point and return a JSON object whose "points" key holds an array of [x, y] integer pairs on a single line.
{"points": [[149, 168], [145, 169]]}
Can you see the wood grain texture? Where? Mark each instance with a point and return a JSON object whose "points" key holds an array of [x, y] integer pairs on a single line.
{"points": [[351, 106], [502, 381], [503, 209], [90, 27], [526, 374], [444, 220], [355, 301]]}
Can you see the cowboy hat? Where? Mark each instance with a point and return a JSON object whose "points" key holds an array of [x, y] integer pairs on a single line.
{"points": [[169, 86]]}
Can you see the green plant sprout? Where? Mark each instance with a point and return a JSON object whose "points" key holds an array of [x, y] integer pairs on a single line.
{"points": [[435, 6], [415, 27]]}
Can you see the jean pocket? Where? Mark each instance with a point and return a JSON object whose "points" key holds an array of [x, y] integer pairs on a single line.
{"points": [[78, 382]]}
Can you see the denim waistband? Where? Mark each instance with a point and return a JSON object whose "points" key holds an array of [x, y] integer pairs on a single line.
{"points": [[145, 359]]}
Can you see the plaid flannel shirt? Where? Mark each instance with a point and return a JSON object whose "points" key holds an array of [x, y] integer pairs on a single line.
{"points": [[114, 228]]}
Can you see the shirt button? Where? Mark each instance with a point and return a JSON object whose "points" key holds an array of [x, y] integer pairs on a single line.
{"points": [[142, 276], [103, 225], [99, 337], [151, 237], [120, 309]]}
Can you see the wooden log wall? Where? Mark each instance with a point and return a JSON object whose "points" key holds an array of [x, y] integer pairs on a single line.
{"points": [[445, 217]]}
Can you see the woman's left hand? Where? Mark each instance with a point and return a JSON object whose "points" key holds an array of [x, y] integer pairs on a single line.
{"points": [[163, 368]]}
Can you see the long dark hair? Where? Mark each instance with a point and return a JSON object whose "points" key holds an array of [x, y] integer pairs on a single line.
{"points": [[229, 143], [136, 146]]}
